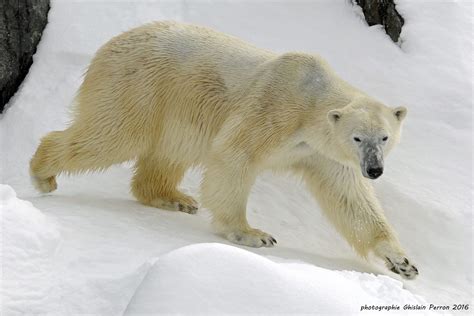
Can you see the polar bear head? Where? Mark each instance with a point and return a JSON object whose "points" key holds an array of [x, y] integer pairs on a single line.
{"points": [[364, 132]]}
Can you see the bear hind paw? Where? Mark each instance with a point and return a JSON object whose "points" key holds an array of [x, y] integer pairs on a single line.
{"points": [[46, 185], [185, 205]]}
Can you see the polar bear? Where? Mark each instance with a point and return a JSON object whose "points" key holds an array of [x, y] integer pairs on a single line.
{"points": [[171, 96]]}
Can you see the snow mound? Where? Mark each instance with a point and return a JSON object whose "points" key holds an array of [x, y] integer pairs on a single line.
{"points": [[29, 244], [217, 278], [105, 295]]}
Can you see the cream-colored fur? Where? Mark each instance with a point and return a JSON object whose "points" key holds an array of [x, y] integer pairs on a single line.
{"points": [[171, 96]]}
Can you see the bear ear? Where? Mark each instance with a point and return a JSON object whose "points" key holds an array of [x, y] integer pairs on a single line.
{"points": [[334, 116], [400, 112]]}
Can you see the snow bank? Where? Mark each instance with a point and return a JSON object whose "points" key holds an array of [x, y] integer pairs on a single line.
{"points": [[30, 241], [216, 278], [33, 279]]}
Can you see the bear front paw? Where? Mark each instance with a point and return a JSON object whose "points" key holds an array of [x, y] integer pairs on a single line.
{"points": [[252, 238], [403, 267]]}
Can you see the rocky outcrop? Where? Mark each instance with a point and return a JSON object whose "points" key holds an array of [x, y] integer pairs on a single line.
{"points": [[383, 12], [21, 25]]}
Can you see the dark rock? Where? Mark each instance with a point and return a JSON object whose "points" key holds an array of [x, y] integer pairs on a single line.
{"points": [[21, 25], [385, 13]]}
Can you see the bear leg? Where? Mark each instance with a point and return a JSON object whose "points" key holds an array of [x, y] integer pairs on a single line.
{"points": [[79, 148], [349, 202], [46, 162], [225, 189], [155, 184]]}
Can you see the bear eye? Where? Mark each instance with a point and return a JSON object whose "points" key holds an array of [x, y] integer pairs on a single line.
{"points": [[357, 139], [385, 138]]}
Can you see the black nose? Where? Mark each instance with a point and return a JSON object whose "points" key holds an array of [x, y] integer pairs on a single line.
{"points": [[374, 173]]}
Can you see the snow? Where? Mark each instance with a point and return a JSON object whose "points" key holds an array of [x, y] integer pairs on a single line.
{"points": [[90, 248], [201, 274], [29, 245]]}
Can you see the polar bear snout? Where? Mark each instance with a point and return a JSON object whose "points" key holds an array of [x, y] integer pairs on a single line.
{"points": [[372, 168], [371, 158], [374, 173]]}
